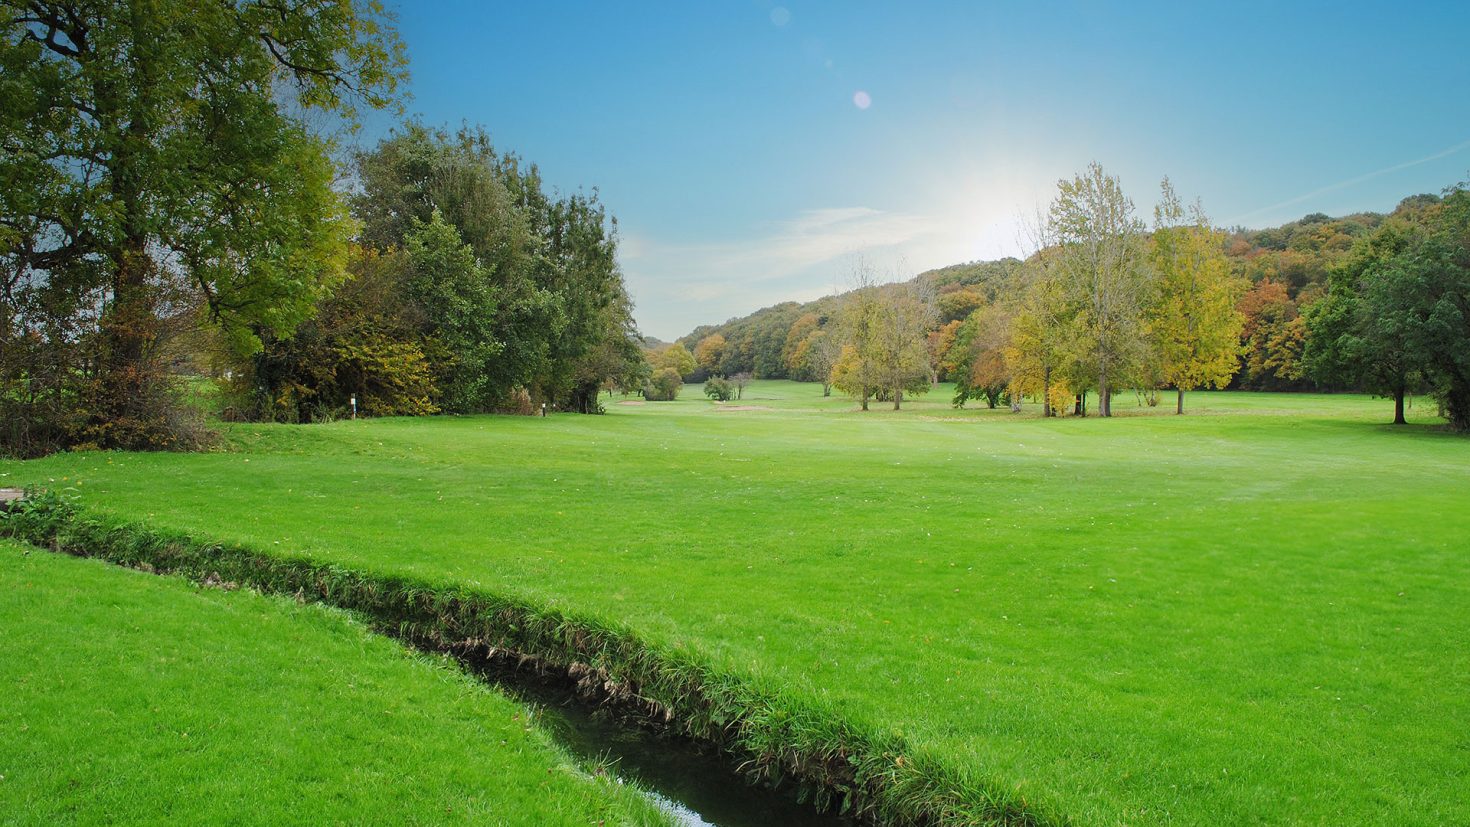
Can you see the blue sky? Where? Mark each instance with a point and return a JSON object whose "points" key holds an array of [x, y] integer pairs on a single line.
{"points": [[730, 141]]}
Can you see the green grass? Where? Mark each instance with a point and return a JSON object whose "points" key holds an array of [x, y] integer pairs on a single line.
{"points": [[139, 699], [1256, 613]]}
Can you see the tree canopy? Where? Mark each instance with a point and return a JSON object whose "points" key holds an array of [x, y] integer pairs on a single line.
{"points": [[160, 165]]}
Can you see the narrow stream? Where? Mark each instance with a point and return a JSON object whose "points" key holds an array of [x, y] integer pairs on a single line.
{"points": [[697, 785]]}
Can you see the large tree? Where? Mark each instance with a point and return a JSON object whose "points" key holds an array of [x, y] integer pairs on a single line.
{"points": [[1356, 341], [1100, 263], [979, 363], [900, 348], [857, 370], [1415, 304], [1435, 299], [1041, 330], [364, 342], [561, 319], [816, 355], [158, 155], [1193, 321], [707, 353]]}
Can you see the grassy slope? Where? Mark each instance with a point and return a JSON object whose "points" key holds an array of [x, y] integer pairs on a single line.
{"points": [[1253, 614], [133, 698]]}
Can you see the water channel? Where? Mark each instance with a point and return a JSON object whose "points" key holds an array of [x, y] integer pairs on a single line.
{"points": [[694, 783]]}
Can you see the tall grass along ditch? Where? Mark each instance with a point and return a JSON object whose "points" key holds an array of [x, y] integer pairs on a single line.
{"points": [[774, 737]]}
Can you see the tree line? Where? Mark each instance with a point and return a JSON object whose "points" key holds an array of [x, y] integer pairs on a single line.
{"points": [[1107, 301], [174, 204]]}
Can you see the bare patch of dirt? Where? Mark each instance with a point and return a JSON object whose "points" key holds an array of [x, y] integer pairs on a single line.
{"points": [[632, 402], [741, 408]]}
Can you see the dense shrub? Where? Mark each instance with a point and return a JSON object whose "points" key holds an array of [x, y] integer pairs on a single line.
{"points": [[664, 386], [719, 389]]}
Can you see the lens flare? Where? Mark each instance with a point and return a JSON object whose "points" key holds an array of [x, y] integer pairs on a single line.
{"points": [[861, 99], [780, 15]]}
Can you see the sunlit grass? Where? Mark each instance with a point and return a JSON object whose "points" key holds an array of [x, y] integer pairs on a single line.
{"points": [[1253, 613], [137, 699]]}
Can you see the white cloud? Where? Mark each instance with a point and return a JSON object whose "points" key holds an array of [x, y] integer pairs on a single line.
{"points": [[677, 286], [813, 237]]}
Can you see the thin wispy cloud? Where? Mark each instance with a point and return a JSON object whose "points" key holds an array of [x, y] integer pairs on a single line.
{"points": [[811, 238], [1341, 185], [796, 259]]}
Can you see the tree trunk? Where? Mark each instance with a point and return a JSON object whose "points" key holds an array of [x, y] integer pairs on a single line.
{"points": [[128, 408], [1179, 409], [1398, 407], [866, 394], [1104, 398], [1046, 393], [897, 399], [826, 389]]}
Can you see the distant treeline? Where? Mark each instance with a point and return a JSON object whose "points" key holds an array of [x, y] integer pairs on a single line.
{"points": [[1305, 307]]}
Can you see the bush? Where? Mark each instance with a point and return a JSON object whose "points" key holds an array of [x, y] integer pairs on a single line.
{"points": [[664, 386], [719, 389]]}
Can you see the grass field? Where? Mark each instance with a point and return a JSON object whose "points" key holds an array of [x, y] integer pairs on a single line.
{"points": [[135, 699], [1254, 614]]}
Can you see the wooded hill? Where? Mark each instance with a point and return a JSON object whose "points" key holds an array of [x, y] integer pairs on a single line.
{"points": [[1288, 268]]}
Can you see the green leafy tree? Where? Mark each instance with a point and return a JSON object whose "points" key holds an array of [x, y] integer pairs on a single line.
{"points": [[663, 386], [458, 304], [1443, 305], [158, 154], [364, 342], [1421, 297], [1356, 339], [719, 389], [563, 314]]}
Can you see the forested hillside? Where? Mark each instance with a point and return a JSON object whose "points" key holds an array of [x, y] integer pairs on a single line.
{"points": [[1286, 268]]}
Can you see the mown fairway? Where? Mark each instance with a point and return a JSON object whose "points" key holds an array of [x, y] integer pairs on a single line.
{"points": [[1257, 613], [135, 699]]}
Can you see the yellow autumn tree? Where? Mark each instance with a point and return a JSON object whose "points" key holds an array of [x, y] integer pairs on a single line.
{"points": [[1041, 336], [709, 350], [1194, 323]]}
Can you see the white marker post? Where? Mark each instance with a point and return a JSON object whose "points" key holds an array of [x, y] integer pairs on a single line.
{"points": [[354, 406]]}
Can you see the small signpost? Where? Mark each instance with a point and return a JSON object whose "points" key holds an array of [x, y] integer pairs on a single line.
{"points": [[354, 406]]}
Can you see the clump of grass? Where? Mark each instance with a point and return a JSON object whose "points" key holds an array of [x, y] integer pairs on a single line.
{"points": [[777, 737]]}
